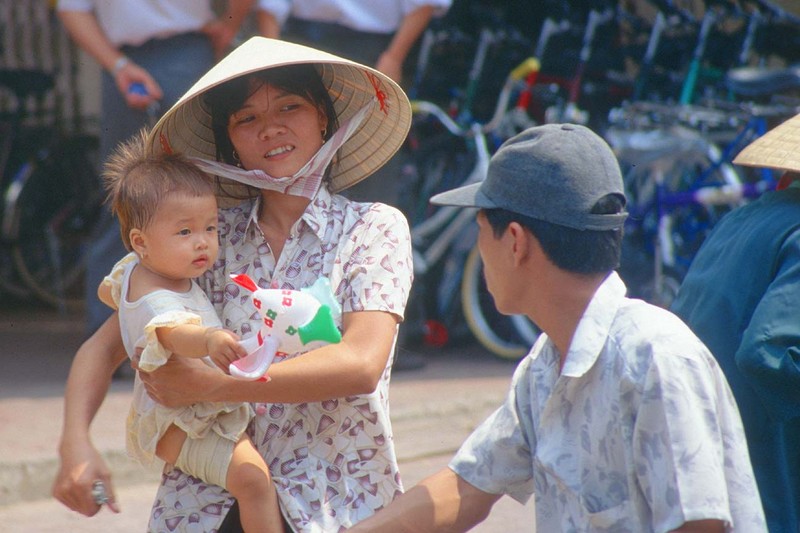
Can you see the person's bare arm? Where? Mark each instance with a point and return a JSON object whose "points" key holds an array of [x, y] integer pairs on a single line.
{"points": [[84, 29], [268, 25], [87, 385], [353, 366], [104, 295], [391, 60], [443, 502], [223, 30], [191, 340]]}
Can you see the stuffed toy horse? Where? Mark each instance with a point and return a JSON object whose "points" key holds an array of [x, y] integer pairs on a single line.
{"points": [[292, 321]]}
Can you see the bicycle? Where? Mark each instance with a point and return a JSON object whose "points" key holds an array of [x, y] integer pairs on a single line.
{"points": [[51, 196], [446, 282], [567, 110], [444, 164], [679, 177]]}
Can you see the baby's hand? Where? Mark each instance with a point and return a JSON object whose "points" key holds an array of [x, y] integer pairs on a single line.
{"points": [[223, 347]]}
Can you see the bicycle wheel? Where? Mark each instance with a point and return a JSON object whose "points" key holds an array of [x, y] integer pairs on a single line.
{"points": [[10, 283], [49, 216], [495, 331]]}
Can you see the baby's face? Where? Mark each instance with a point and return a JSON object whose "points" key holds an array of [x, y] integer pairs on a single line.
{"points": [[182, 240]]}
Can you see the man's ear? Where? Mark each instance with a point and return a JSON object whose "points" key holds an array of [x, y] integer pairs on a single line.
{"points": [[521, 242], [138, 242]]}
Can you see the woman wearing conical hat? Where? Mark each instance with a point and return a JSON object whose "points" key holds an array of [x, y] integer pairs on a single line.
{"points": [[284, 128]]}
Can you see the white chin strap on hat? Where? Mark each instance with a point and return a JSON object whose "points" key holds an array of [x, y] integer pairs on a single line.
{"points": [[306, 181]]}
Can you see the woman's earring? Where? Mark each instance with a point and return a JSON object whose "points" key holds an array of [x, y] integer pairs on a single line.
{"points": [[236, 159], [324, 133]]}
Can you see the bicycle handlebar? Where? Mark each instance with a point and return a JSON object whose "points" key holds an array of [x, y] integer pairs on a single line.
{"points": [[26, 82], [520, 72], [728, 194]]}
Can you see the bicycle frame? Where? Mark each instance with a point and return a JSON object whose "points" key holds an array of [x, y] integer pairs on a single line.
{"points": [[690, 81], [449, 221], [596, 19], [570, 89], [21, 85], [449, 233], [660, 23]]}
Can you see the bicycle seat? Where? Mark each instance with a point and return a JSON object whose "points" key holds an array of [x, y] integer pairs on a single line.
{"points": [[755, 81], [26, 82], [641, 148]]}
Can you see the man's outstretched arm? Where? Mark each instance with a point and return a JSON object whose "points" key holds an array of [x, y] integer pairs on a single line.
{"points": [[443, 502]]}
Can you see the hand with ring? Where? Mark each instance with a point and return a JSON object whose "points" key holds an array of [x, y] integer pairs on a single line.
{"points": [[101, 496], [99, 492], [83, 481]]}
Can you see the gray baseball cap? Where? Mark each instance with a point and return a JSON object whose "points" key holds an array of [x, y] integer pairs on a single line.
{"points": [[555, 173]]}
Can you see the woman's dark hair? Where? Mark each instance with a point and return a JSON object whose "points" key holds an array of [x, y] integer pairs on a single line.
{"points": [[229, 97], [570, 249]]}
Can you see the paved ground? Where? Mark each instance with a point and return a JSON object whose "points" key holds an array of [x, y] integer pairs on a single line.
{"points": [[433, 409]]}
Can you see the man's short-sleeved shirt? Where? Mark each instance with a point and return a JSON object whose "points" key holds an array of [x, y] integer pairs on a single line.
{"points": [[638, 432], [375, 16], [134, 23]]}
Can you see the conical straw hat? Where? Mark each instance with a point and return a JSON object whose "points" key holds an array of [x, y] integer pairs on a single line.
{"points": [[779, 148], [186, 127]]}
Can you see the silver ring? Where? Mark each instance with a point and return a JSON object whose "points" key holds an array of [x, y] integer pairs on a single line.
{"points": [[99, 492]]}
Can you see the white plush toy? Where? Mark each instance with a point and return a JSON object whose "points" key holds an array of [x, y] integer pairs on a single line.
{"points": [[292, 321]]}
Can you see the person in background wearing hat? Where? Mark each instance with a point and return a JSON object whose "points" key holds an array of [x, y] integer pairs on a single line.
{"points": [[163, 45], [284, 127], [741, 296], [619, 419]]}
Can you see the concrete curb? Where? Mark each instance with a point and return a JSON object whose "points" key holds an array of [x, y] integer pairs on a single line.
{"points": [[421, 430], [29, 481]]}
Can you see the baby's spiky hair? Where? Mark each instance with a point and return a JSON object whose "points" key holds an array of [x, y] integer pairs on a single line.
{"points": [[136, 182]]}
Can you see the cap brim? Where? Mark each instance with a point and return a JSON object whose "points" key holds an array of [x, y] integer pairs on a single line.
{"points": [[466, 196], [779, 148]]}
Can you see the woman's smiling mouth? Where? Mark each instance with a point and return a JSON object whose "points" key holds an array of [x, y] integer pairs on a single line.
{"points": [[279, 151]]}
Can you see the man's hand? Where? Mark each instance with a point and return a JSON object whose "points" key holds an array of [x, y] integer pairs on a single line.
{"points": [[81, 466], [130, 74], [221, 35]]}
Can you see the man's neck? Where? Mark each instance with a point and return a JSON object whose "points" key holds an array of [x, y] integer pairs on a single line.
{"points": [[564, 306]]}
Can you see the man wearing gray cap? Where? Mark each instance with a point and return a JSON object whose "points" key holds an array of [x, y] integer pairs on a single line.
{"points": [[619, 419]]}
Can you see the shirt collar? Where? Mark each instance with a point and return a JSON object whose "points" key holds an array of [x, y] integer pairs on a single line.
{"points": [[594, 327], [315, 216]]}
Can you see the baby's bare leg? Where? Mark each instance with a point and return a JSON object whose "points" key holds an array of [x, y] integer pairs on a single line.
{"points": [[250, 483], [169, 446]]}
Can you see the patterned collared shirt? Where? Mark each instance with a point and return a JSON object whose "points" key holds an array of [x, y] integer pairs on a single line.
{"points": [[333, 462], [639, 432]]}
